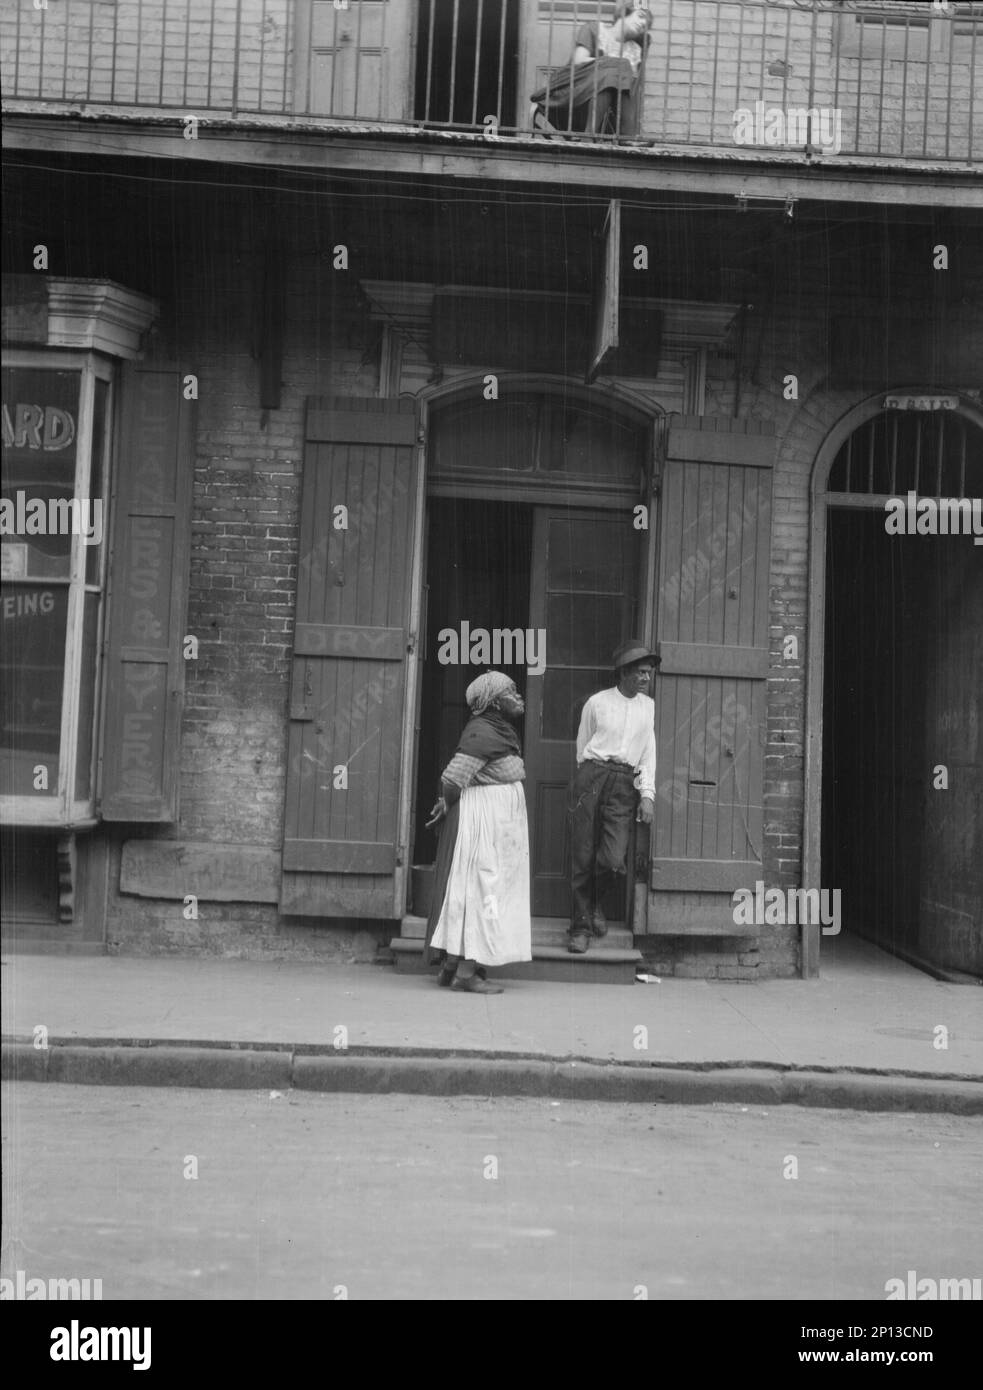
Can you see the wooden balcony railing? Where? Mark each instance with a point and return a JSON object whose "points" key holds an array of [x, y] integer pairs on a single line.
{"points": [[861, 78]]}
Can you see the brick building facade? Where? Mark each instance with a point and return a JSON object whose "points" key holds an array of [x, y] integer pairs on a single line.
{"points": [[306, 259]]}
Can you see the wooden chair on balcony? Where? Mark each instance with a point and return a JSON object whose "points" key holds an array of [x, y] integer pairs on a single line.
{"points": [[556, 110]]}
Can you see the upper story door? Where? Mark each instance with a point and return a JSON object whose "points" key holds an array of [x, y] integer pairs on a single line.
{"points": [[467, 61], [354, 61]]}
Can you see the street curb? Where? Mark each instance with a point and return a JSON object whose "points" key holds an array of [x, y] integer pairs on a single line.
{"points": [[244, 1068]]}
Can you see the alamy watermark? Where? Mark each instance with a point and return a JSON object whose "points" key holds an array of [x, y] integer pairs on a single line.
{"points": [[789, 126], [53, 516], [934, 516], [22, 1289], [497, 646], [77, 1343], [787, 907], [950, 1290]]}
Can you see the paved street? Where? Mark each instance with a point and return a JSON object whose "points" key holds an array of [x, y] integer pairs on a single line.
{"points": [[401, 1198]]}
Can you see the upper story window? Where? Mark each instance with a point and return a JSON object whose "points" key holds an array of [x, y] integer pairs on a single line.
{"points": [[894, 30]]}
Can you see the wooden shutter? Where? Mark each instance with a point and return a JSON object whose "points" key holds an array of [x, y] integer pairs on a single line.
{"points": [[354, 61], [148, 596], [344, 847], [712, 628]]}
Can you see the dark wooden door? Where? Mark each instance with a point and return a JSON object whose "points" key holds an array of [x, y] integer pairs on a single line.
{"points": [[348, 765], [354, 61], [712, 625], [584, 594]]}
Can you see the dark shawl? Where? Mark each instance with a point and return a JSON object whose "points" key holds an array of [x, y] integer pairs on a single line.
{"points": [[489, 735]]}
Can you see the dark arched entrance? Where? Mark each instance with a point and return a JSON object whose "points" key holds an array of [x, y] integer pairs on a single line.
{"points": [[902, 742]]}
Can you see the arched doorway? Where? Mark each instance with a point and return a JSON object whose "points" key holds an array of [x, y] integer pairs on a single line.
{"points": [[530, 531], [894, 765]]}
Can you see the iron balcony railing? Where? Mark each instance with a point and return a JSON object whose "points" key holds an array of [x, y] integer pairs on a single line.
{"points": [[862, 78]]}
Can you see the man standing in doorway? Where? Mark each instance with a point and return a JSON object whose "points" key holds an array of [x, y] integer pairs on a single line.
{"points": [[615, 781]]}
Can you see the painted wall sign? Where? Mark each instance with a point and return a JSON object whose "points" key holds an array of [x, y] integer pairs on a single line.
{"points": [[33, 619], [214, 872], [144, 664], [28, 426], [27, 603], [39, 413], [154, 479], [921, 402]]}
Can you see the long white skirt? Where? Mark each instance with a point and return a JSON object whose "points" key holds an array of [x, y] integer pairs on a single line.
{"points": [[485, 913]]}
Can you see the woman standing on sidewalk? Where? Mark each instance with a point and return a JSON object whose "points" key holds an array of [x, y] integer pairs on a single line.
{"points": [[480, 911]]}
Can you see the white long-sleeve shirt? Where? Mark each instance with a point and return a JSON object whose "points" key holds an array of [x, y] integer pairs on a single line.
{"points": [[616, 729]]}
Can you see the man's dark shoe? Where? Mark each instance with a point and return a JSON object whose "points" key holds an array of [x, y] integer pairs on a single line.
{"points": [[598, 923], [579, 941]]}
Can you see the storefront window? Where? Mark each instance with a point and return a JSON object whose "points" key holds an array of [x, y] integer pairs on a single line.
{"points": [[32, 670], [52, 563]]}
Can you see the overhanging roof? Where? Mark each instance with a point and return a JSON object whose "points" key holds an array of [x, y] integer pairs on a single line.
{"points": [[334, 149]]}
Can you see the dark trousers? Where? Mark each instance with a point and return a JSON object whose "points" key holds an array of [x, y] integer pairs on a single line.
{"points": [[601, 810]]}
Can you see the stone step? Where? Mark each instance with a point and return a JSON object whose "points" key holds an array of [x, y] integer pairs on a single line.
{"points": [[602, 964], [546, 931]]}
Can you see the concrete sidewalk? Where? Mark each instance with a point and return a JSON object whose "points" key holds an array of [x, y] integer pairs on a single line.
{"points": [[867, 1033]]}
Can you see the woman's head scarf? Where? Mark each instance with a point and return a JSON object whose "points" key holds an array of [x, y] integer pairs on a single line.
{"points": [[481, 692]]}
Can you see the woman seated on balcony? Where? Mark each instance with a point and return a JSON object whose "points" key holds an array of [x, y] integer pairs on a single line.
{"points": [[596, 91]]}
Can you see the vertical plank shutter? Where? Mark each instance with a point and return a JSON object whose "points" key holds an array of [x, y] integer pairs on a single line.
{"points": [[342, 855], [712, 627], [354, 60], [148, 597]]}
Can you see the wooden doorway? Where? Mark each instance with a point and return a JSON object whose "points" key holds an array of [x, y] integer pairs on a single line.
{"points": [[530, 520], [570, 578]]}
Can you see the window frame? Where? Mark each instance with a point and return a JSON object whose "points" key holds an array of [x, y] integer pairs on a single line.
{"points": [[539, 483], [884, 29], [62, 809]]}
